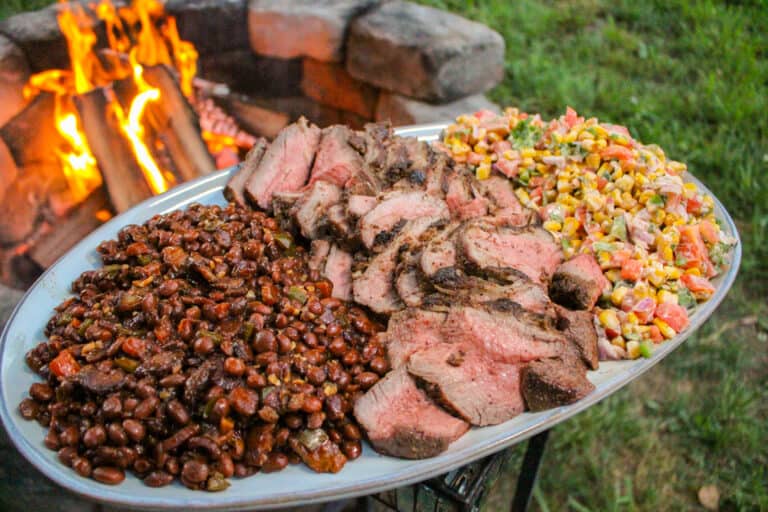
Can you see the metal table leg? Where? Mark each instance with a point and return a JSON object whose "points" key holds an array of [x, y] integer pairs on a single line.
{"points": [[529, 472]]}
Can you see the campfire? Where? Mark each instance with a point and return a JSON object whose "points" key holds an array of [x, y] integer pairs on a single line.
{"points": [[126, 120]]}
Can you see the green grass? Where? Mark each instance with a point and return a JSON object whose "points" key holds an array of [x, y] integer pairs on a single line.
{"points": [[693, 78]]}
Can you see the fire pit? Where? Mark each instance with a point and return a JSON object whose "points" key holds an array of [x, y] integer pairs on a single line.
{"points": [[107, 104]]}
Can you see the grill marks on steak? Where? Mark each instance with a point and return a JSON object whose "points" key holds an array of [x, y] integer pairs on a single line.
{"points": [[395, 208], [530, 250], [285, 165], [578, 283], [374, 287], [386, 412], [554, 382]]}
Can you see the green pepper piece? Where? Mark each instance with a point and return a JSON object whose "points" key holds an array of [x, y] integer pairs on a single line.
{"points": [[84, 326], [284, 239], [297, 293], [646, 349], [619, 228], [127, 364]]}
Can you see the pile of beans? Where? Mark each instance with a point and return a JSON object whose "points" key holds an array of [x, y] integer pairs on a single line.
{"points": [[203, 348]]}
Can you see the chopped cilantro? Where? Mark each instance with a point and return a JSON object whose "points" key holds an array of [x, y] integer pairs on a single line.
{"points": [[658, 200], [524, 134], [685, 298]]}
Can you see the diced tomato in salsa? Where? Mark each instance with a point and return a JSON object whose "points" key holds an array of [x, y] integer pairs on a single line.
{"points": [[64, 365], [572, 118], [691, 251], [655, 334], [617, 152], [693, 205], [631, 269], [700, 287], [709, 231], [644, 309], [674, 315]]}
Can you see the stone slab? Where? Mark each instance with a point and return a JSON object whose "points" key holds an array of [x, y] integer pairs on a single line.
{"points": [[401, 110], [331, 85], [424, 53], [251, 74], [302, 28], [213, 26]]}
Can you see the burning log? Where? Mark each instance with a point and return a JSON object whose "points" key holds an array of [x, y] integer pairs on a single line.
{"points": [[122, 175], [69, 230], [32, 133], [177, 126]]}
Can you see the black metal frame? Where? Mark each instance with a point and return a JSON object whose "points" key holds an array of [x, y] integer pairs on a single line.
{"points": [[463, 489]]}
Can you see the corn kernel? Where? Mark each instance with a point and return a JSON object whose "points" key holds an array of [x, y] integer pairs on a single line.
{"points": [[625, 183], [527, 153], [633, 349], [594, 201], [664, 327], [593, 160], [483, 171], [617, 295], [564, 186], [553, 225], [613, 275], [657, 277], [673, 272], [666, 297], [632, 318], [523, 196], [509, 154], [694, 271], [619, 342], [609, 319]]}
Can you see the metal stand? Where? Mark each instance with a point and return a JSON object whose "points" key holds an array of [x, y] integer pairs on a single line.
{"points": [[529, 472], [463, 489]]}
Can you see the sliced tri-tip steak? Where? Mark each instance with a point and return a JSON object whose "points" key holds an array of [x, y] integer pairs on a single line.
{"points": [[234, 191], [285, 165], [505, 207], [396, 207], [554, 382], [374, 287], [578, 283], [359, 205], [402, 421], [409, 331], [439, 253], [461, 199], [466, 289], [529, 250], [338, 269], [508, 334], [311, 210], [409, 285], [341, 226], [336, 161], [579, 328], [479, 390], [318, 254]]}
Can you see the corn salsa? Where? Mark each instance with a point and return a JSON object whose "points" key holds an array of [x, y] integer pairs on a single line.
{"points": [[600, 191]]}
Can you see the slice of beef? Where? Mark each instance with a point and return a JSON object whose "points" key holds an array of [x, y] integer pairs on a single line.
{"points": [[410, 287], [461, 198], [285, 165], [439, 252], [530, 250], [402, 421], [310, 211], [578, 283], [234, 191], [505, 207], [409, 331], [374, 287], [480, 391], [339, 222], [508, 335], [318, 254], [579, 328], [338, 269], [440, 165], [359, 205], [395, 208], [475, 290], [336, 161], [283, 207], [554, 382]]}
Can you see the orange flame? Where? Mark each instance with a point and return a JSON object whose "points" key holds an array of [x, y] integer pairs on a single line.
{"points": [[138, 35]]}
